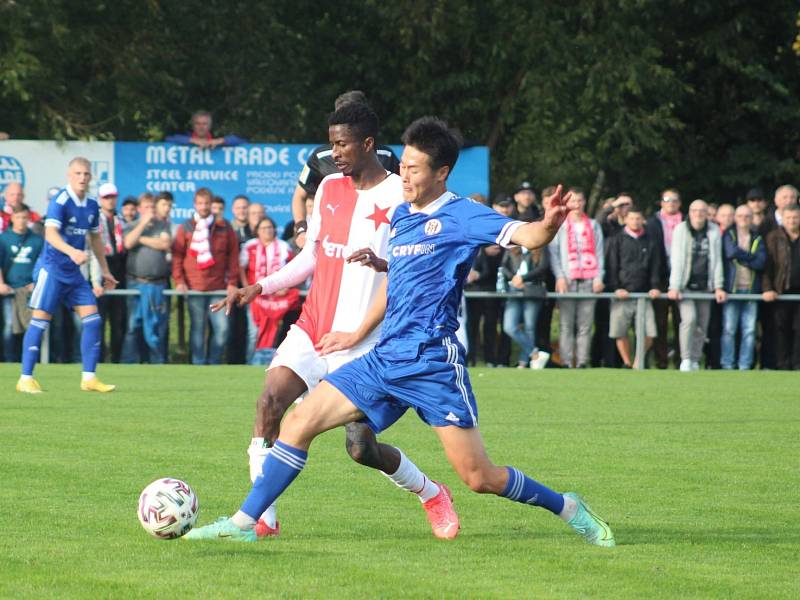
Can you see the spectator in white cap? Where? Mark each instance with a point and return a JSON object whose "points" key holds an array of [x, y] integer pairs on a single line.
{"points": [[112, 309]]}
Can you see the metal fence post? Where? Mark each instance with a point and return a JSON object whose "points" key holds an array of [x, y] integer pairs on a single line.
{"points": [[641, 306]]}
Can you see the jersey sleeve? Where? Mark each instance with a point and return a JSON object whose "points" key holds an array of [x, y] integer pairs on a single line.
{"points": [[55, 214], [95, 207], [486, 226], [311, 175], [315, 222]]}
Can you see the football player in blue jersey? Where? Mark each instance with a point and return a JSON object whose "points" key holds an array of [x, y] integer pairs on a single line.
{"points": [[418, 362], [71, 217]]}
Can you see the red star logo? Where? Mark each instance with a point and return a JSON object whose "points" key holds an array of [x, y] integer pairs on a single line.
{"points": [[379, 216]]}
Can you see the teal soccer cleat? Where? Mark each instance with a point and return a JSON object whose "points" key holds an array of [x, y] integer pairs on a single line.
{"points": [[589, 524], [223, 529]]}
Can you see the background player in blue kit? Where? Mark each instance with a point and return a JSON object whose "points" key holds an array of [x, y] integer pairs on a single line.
{"points": [[418, 363], [71, 216]]}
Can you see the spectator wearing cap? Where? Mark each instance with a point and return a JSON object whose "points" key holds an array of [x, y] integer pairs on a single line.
{"points": [[577, 260], [632, 266], [205, 258], [13, 196], [745, 259], [525, 199], [129, 210], [696, 257], [763, 220], [19, 249], [201, 135], [111, 308], [782, 276], [147, 241], [660, 227]]}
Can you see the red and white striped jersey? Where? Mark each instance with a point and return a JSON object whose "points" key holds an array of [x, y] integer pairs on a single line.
{"points": [[344, 220]]}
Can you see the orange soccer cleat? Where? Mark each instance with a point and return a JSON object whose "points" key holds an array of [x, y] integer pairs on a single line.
{"points": [[443, 519], [263, 530]]}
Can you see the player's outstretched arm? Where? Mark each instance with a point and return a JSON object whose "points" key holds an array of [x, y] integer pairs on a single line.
{"points": [[540, 233], [339, 340]]}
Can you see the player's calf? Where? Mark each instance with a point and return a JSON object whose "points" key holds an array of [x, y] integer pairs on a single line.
{"points": [[364, 448]]}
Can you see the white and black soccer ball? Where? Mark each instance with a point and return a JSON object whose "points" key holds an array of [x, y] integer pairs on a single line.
{"points": [[168, 508]]}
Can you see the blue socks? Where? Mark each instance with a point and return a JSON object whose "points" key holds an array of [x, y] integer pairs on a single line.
{"points": [[282, 465], [521, 488], [92, 328], [31, 344]]}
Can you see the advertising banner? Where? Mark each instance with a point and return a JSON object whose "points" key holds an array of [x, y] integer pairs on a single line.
{"points": [[265, 173]]}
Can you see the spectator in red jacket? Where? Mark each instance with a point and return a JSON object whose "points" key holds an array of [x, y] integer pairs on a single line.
{"points": [[205, 257], [14, 196]]}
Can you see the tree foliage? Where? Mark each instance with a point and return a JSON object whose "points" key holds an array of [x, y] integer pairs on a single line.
{"points": [[632, 94]]}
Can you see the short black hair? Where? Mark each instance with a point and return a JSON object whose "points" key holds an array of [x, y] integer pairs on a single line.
{"points": [[635, 209], [348, 97], [358, 117], [165, 196], [432, 136], [130, 200], [20, 208], [218, 200]]}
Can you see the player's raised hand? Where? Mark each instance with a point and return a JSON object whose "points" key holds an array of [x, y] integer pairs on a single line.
{"points": [[335, 341], [231, 299], [368, 258], [558, 207]]}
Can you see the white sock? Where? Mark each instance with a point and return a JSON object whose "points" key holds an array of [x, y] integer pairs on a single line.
{"points": [[258, 454], [243, 521], [25, 377], [410, 478], [570, 509], [86, 375]]}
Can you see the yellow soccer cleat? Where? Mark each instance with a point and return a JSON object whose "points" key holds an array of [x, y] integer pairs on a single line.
{"points": [[28, 386], [95, 385]]}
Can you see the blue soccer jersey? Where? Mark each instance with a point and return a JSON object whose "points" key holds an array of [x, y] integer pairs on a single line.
{"points": [[74, 218], [430, 255]]}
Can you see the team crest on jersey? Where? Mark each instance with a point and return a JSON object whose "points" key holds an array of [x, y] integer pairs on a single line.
{"points": [[433, 227]]}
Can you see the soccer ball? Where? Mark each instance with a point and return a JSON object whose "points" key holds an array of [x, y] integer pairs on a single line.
{"points": [[168, 508]]}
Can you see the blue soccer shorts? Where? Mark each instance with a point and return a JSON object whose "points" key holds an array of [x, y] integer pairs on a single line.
{"points": [[435, 385], [50, 291]]}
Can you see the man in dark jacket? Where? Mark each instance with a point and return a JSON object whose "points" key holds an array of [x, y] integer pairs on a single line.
{"points": [[782, 276], [633, 264], [745, 257]]}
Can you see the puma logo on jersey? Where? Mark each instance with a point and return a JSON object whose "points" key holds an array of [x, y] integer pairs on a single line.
{"points": [[332, 208]]}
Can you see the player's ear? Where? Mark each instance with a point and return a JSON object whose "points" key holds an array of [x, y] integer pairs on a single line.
{"points": [[442, 173], [369, 143]]}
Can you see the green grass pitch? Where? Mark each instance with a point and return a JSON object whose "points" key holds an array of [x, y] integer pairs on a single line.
{"points": [[698, 474]]}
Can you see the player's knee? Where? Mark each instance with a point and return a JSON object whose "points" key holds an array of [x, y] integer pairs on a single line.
{"points": [[362, 448]]}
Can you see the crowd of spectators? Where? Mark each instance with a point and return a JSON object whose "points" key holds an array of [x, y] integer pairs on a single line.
{"points": [[721, 251]]}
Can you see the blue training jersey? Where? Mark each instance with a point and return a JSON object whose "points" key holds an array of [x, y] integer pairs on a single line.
{"points": [[74, 218], [430, 255]]}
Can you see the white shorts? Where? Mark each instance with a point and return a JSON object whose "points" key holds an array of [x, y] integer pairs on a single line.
{"points": [[297, 353]]}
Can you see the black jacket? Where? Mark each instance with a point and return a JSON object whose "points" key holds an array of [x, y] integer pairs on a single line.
{"points": [[633, 264]]}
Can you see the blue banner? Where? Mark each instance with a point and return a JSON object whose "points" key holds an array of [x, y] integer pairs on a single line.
{"points": [[265, 173]]}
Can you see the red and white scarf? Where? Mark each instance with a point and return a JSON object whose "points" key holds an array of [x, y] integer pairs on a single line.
{"points": [[670, 222], [268, 311], [201, 243], [581, 260], [104, 234]]}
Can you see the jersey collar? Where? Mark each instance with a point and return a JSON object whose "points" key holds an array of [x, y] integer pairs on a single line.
{"points": [[75, 197], [435, 205]]}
